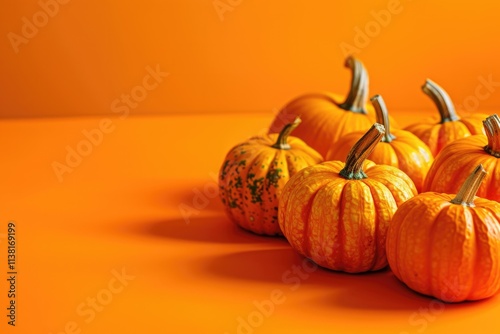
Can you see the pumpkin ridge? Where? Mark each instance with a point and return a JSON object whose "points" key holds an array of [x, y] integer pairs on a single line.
{"points": [[306, 213], [354, 189], [322, 225], [400, 254], [433, 276], [255, 183], [273, 189], [377, 223], [493, 178], [476, 219], [460, 219], [342, 232]]}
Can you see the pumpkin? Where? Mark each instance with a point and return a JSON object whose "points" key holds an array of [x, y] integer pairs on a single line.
{"points": [[253, 175], [452, 166], [448, 246], [325, 118], [337, 214], [437, 132], [398, 148]]}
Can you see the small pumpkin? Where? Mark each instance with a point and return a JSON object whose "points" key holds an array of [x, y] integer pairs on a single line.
{"points": [[253, 175], [437, 132], [337, 214], [398, 148], [452, 166], [448, 246], [325, 118]]}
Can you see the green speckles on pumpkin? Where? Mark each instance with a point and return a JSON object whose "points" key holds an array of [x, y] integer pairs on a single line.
{"points": [[233, 204], [273, 177], [239, 182], [224, 169], [242, 163], [256, 190]]}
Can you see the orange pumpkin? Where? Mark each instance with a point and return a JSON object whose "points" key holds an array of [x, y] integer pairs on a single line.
{"points": [[448, 246], [337, 214], [325, 120], [438, 132], [452, 166], [253, 175], [398, 148]]}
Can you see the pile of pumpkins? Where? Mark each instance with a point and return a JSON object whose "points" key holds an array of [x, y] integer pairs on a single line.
{"points": [[353, 193]]}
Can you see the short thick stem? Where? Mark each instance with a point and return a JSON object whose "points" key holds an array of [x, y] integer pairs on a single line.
{"points": [[492, 129], [442, 101], [358, 93], [282, 141], [470, 187], [353, 169], [382, 117]]}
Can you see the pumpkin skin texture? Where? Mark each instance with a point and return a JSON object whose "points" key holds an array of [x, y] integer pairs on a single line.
{"points": [[398, 148], [452, 166], [337, 214], [437, 133], [325, 119], [447, 246], [254, 173]]}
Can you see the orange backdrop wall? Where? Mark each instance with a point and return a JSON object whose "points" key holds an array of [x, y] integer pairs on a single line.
{"points": [[73, 57]]}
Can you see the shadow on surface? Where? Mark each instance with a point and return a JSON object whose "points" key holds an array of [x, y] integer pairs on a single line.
{"points": [[379, 290], [216, 229]]}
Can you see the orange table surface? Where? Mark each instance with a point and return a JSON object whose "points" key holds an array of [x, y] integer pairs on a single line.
{"points": [[131, 238]]}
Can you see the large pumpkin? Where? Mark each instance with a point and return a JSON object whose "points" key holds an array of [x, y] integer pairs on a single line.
{"points": [[398, 148], [253, 175], [452, 166], [326, 119], [337, 214], [448, 246], [436, 131]]}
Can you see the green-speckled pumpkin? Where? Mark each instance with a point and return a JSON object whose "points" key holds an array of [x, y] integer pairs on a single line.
{"points": [[254, 173]]}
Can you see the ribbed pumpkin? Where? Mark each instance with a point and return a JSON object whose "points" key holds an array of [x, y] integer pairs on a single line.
{"points": [[452, 166], [254, 173], [325, 118], [438, 132], [448, 246], [337, 214], [398, 148]]}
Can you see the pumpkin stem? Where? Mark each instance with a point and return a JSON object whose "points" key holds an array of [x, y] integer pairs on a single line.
{"points": [[442, 101], [382, 117], [353, 169], [358, 93], [492, 129], [469, 188], [282, 141]]}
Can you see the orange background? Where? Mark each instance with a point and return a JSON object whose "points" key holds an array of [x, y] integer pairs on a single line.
{"points": [[261, 55], [123, 205]]}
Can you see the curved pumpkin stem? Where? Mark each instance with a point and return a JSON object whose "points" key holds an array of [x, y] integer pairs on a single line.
{"points": [[358, 94], [353, 169], [442, 101], [282, 141], [492, 129], [383, 117], [469, 188]]}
